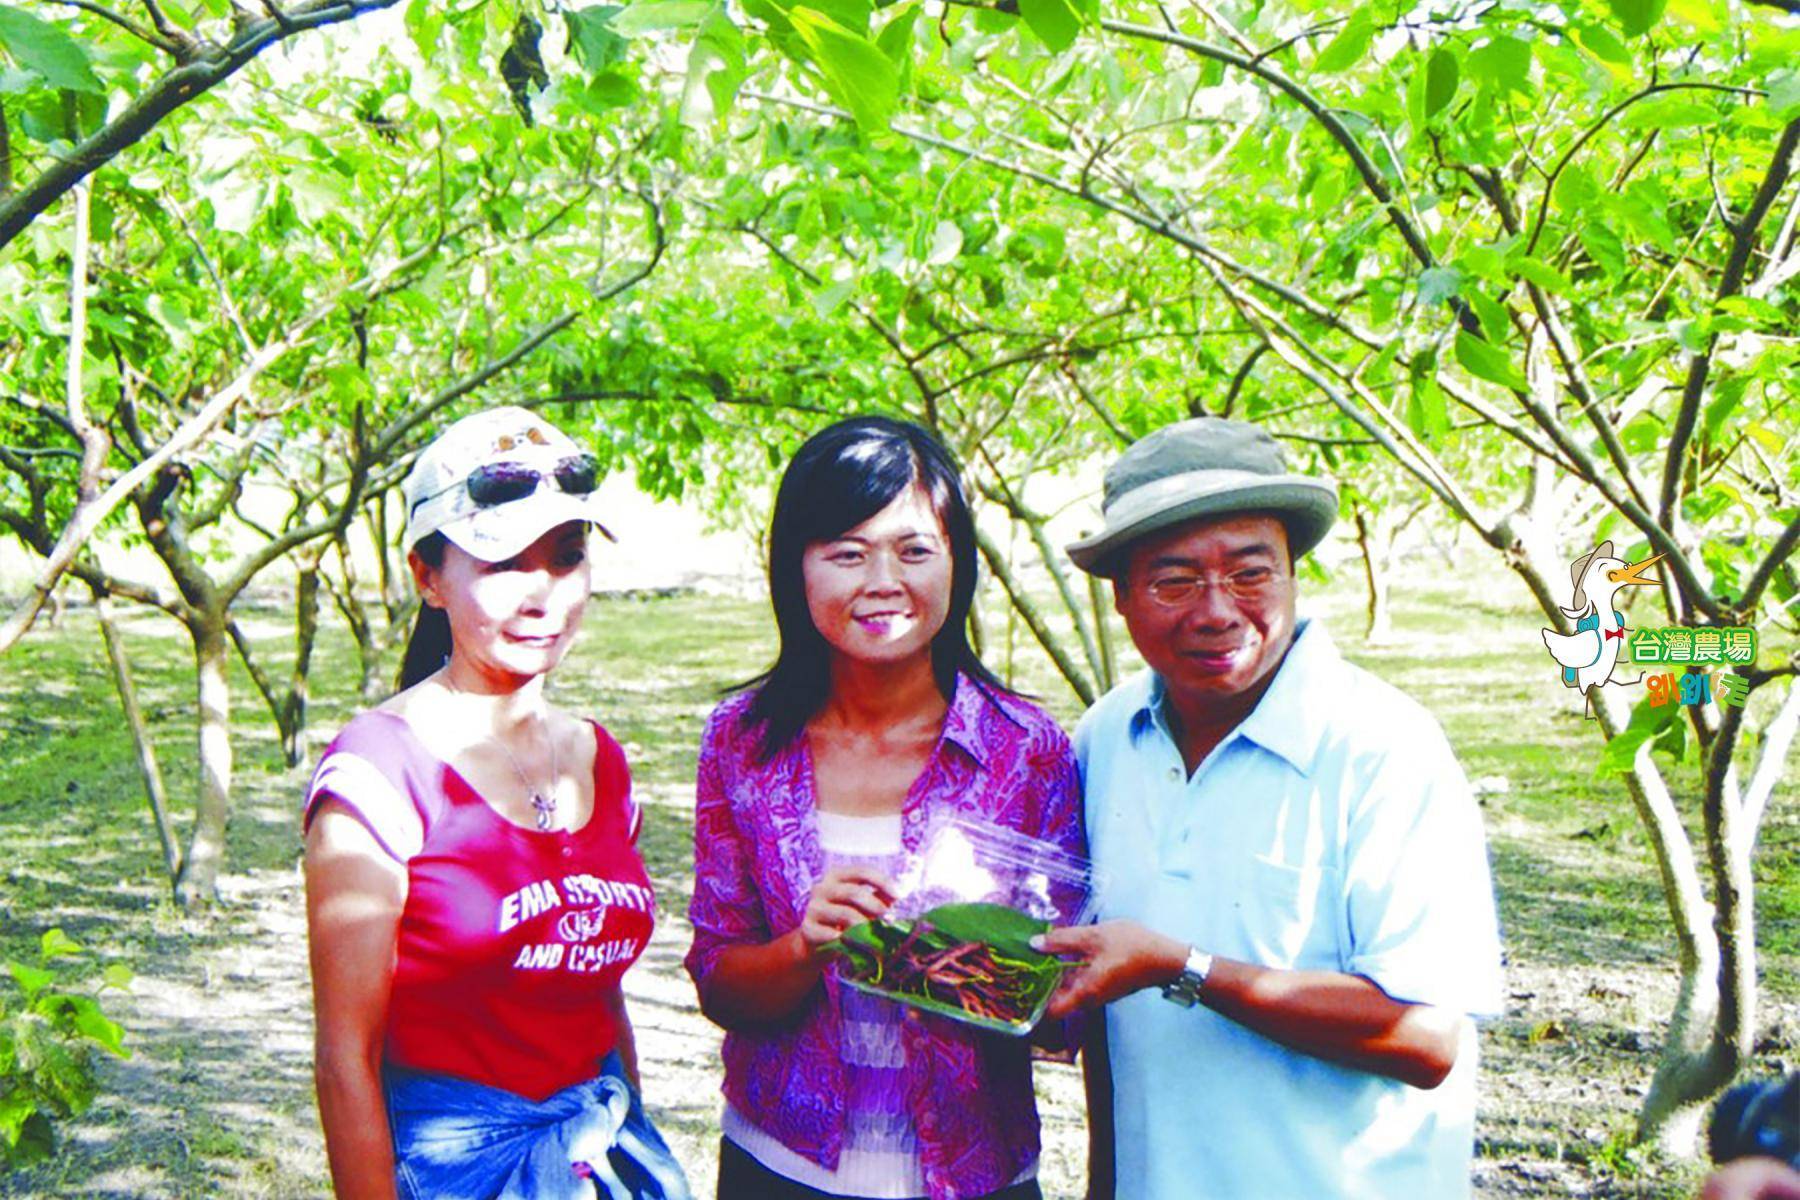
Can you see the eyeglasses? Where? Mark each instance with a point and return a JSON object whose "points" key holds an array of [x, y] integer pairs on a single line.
{"points": [[1252, 583], [498, 483]]}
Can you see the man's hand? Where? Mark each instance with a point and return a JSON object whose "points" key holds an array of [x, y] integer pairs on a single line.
{"points": [[1116, 958], [1753, 1179]]}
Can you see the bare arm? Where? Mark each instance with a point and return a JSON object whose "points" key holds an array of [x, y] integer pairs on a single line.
{"points": [[354, 895], [769, 982], [625, 1037], [1338, 1017]]}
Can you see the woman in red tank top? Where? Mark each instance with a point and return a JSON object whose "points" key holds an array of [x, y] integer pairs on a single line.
{"points": [[474, 889]]}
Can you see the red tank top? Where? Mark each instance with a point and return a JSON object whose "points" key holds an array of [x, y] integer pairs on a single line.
{"points": [[511, 938]]}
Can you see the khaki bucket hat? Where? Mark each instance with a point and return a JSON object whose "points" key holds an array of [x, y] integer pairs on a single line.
{"points": [[1204, 467]]}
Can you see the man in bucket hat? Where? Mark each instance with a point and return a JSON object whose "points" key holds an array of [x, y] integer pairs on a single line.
{"points": [[1297, 922]]}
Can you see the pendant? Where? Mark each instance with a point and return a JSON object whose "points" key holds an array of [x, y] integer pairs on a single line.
{"points": [[545, 807]]}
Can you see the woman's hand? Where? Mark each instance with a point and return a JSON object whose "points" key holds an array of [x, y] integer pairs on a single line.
{"points": [[846, 896], [770, 982]]}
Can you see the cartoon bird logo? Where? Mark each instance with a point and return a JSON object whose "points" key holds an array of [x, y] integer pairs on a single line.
{"points": [[1588, 655]]}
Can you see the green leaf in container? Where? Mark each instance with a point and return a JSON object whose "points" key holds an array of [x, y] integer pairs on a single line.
{"points": [[1485, 361], [1006, 929], [45, 49]]}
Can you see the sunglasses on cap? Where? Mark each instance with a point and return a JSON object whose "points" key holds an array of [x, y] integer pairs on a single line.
{"points": [[493, 484]]}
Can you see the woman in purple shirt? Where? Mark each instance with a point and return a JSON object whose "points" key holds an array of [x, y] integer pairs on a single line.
{"points": [[815, 786]]}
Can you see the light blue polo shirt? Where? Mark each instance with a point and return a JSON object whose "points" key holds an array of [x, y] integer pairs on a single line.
{"points": [[1333, 830]]}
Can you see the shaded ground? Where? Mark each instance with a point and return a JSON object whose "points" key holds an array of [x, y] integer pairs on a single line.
{"points": [[216, 1099]]}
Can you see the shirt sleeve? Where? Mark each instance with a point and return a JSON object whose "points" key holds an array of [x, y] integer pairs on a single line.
{"points": [[1056, 781], [727, 909], [367, 793], [1419, 897]]}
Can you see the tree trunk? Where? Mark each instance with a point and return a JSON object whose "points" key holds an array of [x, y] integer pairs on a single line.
{"points": [[1692, 1066], [1379, 627], [154, 790], [306, 633], [1109, 666], [198, 883]]}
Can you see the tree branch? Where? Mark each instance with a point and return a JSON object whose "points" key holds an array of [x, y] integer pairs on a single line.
{"points": [[1743, 243], [210, 66]]}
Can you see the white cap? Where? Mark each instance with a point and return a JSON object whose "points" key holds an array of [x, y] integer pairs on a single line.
{"points": [[438, 502]]}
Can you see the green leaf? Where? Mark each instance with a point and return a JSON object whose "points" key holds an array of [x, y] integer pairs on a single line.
{"points": [[1604, 246], [1646, 723], [896, 37], [1502, 65], [1487, 362], [858, 74], [1057, 23], [1348, 47], [1535, 270], [716, 69], [31, 980], [1495, 324], [1637, 17], [1005, 929], [37, 1141], [591, 36], [1442, 73], [1439, 284], [44, 48], [1487, 262], [1670, 112], [606, 91], [1784, 92], [116, 975], [1603, 45], [88, 1021], [1426, 410], [946, 243], [660, 14], [56, 943]]}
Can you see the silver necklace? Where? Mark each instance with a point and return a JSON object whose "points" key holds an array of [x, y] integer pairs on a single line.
{"points": [[543, 800], [543, 805]]}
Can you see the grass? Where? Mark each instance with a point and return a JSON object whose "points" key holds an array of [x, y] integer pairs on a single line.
{"points": [[217, 1100]]}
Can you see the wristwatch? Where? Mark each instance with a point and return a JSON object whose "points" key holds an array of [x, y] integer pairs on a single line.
{"points": [[1184, 989]]}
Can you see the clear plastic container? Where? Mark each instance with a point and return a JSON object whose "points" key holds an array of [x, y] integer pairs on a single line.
{"points": [[970, 961]]}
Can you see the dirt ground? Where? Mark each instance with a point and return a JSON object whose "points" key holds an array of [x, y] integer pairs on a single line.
{"points": [[217, 1097], [237, 1091]]}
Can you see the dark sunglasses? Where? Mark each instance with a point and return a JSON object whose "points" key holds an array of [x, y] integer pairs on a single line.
{"points": [[501, 483]]}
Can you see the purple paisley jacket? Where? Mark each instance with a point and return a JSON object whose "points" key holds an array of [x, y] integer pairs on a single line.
{"points": [[756, 858]]}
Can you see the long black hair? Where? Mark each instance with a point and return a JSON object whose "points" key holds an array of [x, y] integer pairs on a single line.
{"points": [[428, 646], [842, 476]]}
